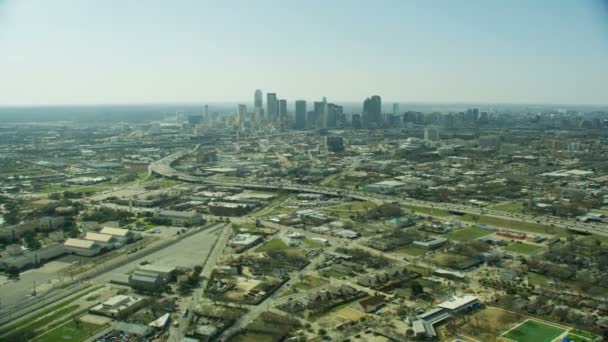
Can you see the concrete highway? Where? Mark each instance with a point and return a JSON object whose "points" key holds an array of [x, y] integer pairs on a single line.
{"points": [[163, 168]]}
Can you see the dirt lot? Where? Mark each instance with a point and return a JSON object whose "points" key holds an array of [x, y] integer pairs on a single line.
{"points": [[349, 314], [243, 286], [489, 323]]}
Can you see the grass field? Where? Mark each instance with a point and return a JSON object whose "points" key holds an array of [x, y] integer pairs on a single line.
{"points": [[509, 207], [410, 250], [523, 248], [537, 279], [531, 227], [272, 245], [311, 243], [333, 274], [71, 331], [306, 282], [467, 234], [534, 331], [427, 211], [347, 210], [254, 337]]}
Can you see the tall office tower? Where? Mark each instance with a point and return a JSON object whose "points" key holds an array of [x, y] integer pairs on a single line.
{"points": [[272, 107], [483, 118], [395, 109], [258, 99], [471, 116], [356, 121], [300, 114], [372, 112], [431, 133], [283, 112], [334, 112], [324, 113], [240, 114], [318, 109], [311, 119]]}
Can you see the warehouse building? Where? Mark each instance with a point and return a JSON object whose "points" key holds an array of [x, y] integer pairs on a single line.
{"points": [[82, 247]]}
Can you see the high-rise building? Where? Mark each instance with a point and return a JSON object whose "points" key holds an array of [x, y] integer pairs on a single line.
{"points": [[372, 112], [334, 112], [318, 109], [356, 121], [324, 113], [300, 114], [258, 99], [272, 105], [283, 112], [396, 109], [431, 133], [241, 113]]}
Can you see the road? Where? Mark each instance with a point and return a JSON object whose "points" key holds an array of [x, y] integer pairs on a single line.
{"points": [[185, 250], [177, 333], [163, 167]]}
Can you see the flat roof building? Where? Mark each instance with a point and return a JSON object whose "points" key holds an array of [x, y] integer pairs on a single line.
{"points": [[82, 247]]}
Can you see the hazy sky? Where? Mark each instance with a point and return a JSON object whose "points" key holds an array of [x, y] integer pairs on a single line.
{"points": [[135, 51]]}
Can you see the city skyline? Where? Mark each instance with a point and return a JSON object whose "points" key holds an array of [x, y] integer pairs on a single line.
{"points": [[192, 52]]}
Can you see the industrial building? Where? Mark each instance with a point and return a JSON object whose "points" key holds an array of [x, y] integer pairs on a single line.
{"points": [[82, 247]]}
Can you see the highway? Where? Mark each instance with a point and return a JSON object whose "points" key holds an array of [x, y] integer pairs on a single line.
{"points": [[163, 168]]}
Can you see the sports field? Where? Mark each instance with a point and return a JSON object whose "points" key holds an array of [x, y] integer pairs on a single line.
{"points": [[523, 248], [534, 331]]}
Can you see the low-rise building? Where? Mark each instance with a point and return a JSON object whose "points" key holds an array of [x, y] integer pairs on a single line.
{"points": [[432, 243], [119, 306], [82, 247], [181, 218], [241, 242]]}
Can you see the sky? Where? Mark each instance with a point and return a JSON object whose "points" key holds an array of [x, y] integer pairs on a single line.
{"points": [[181, 51]]}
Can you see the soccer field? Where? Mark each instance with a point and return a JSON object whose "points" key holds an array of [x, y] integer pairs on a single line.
{"points": [[534, 331]]}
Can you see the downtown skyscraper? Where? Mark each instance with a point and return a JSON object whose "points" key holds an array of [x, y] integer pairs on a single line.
{"points": [[372, 112], [300, 115], [272, 107]]}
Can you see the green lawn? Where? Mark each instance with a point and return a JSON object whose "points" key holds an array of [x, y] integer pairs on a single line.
{"points": [[71, 331], [426, 210], [333, 273], [523, 248], [272, 245], [254, 337], [311, 243], [509, 207], [410, 250], [347, 210], [581, 335], [531, 227], [534, 331], [537, 279], [306, 282], [466, 234]]}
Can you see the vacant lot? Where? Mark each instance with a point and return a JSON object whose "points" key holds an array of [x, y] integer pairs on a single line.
{"points": [[349, 314], [306, 282], [534, 331], [72, 331], [412, 251], [531, 227], [488, 323], [427, 210], [272, 245], [467, 234], [523, 248], [509, 207]]}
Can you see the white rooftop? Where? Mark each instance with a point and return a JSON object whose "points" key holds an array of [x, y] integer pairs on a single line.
{"points": [[458, 302], [79, 243]]}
